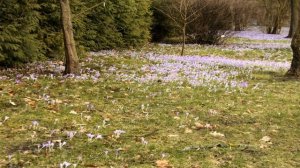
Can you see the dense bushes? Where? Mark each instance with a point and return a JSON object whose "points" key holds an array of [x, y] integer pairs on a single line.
{"points": [[163, 27], [118, 24], [215, 20], [49, 28], [213, 24], [133, 21], [19, 42], [243, 13], [31, 29], [104, 35]]}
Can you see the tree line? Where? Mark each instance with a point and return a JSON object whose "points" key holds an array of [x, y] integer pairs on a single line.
{"points": [[32, 29]]}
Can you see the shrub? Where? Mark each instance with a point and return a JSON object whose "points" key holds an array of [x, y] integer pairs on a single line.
{"points": [[19, 42], [215, 20], [117, 24], [50, 32], [101, 31], [162, 27], [243, 11], [214, 24], [31, 29]]}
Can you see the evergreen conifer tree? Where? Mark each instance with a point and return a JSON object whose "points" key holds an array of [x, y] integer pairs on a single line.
{"points": [[133, 20], [50, 33], [118, 24], [18, 38], [31, 29]]}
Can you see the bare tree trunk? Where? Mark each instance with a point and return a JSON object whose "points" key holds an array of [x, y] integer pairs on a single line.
{"points": [[237, 22], [72, 61], [269, 23], [183, 39], [269, 30], [295, 65], [276, 26], [294, 18]]}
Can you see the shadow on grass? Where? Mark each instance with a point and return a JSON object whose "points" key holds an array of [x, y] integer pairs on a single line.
{"points": [[275, 76]]}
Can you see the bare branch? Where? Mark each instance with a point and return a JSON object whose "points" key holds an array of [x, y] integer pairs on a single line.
{"points": [[88, 9], [169, 16]]}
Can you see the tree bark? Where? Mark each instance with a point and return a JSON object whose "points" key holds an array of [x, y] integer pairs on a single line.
{"points": [[71, 58], [295, 65], [237, 22], [276, 26], [183, 39], [294, 18], [269, 30]]}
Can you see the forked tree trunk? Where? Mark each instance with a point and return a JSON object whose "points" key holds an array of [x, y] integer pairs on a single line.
{"points": [[276, 26], [72, 61], [295, 65], [294, 18]]}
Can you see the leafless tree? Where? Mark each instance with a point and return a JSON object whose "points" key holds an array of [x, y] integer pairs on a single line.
{"points": [[294, 17], [214, 24], [181, 12], [275, 11], [242, 11]]}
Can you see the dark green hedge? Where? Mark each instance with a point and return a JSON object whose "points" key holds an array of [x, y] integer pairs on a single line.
{"points": [[31, 29]]}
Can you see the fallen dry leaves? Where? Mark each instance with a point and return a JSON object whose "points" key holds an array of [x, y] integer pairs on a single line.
{"points": [[163, 164], [30, 101], [216, 134], [265, 142], [199, 126]]}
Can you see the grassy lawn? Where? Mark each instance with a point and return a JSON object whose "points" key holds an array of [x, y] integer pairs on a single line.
{"points": [[117, 121], [237, 51]]}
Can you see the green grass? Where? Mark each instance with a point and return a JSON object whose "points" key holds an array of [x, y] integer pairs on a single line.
{"points": [[167, 120], [284, 54], [239, 40]]}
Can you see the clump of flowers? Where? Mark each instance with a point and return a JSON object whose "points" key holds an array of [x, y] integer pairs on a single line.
{"points": [[117, 133], [214, 73], [71, 134]]}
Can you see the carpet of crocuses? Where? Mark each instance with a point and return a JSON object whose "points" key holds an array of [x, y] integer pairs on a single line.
{"points": [[217, 106], [203, 71], [258, 33]]}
